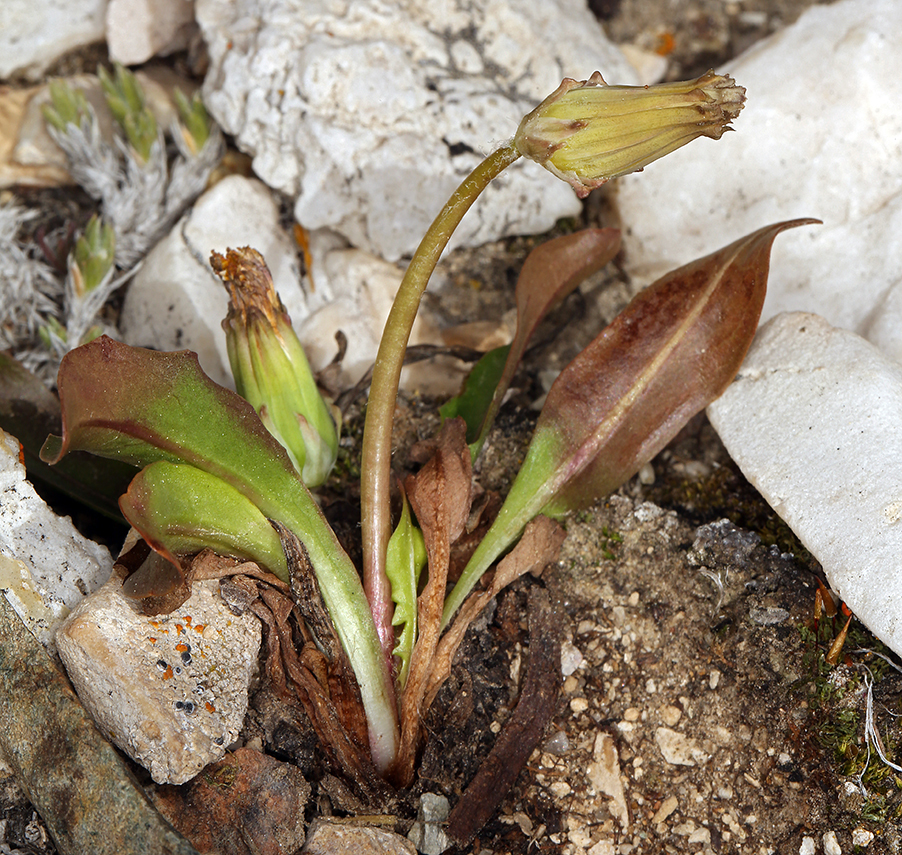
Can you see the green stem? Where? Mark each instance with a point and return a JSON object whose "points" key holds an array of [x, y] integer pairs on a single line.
{"points": [[525, 500], [376, 452]]}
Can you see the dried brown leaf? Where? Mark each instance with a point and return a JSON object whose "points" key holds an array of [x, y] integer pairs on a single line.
{"points": [[440, 495], [538, 547], [523, 730]]}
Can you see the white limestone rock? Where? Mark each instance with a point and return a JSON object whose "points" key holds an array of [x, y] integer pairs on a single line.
{"points": [[171, 690], [46, 566], [371, 114], [354, 293], [137, 30], [814, 420], [820, 136], [677, 749], [34, 33]]}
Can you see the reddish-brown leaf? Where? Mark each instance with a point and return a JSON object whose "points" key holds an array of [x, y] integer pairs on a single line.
{"points": [[551, 272], [440, 495], [672, 351]]}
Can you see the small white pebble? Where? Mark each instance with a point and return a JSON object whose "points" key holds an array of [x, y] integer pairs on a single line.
{"points": [[647, 474], [559, 789], [714, 679], [571, 658], [808, 846], [633, 599], [862, 837], [671, 715], [700, 835], [831, 844], [668, 806], [579, 705], [558, 744], [651, 686], [631, 714], [580, 837]]}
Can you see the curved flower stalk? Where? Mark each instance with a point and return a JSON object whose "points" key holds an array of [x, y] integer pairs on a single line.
{"points": [[586, 133]]}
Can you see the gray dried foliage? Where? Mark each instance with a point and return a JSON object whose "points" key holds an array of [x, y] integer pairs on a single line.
{"points": [[28, 287], [140, 200]]}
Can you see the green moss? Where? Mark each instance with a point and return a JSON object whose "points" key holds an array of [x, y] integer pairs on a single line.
{"points": [[837, 723], [612, 540]]}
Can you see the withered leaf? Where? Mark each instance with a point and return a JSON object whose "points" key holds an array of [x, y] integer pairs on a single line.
{"points": [[672, 351], [538, 547], [551, 272], [522, 732], [440, 495]]}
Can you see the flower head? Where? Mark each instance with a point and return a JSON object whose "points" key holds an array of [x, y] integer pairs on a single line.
{"points": [[270, 368], [587, 132]]}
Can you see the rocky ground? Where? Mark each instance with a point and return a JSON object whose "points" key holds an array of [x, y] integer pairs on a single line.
{"points": [[702, 708]]}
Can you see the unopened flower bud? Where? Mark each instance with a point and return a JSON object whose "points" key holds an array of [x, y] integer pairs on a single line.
{"points": [[270, 368], [588, 132]]}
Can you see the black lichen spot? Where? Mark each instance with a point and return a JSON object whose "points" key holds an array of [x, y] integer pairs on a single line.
{"points": [[458, 148]]}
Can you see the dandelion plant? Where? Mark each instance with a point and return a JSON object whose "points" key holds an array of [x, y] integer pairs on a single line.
{"points": [[220, 471]]}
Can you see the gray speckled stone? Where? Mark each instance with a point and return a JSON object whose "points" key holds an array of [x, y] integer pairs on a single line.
{"points": [[329, 837], [171, 690]]}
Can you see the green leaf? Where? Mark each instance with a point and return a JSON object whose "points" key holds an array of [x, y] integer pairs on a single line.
{"points": [[673, 350], [29, 411], [551, 272], [473, 402], [405, 560], [141, 406], [180, 510]]}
